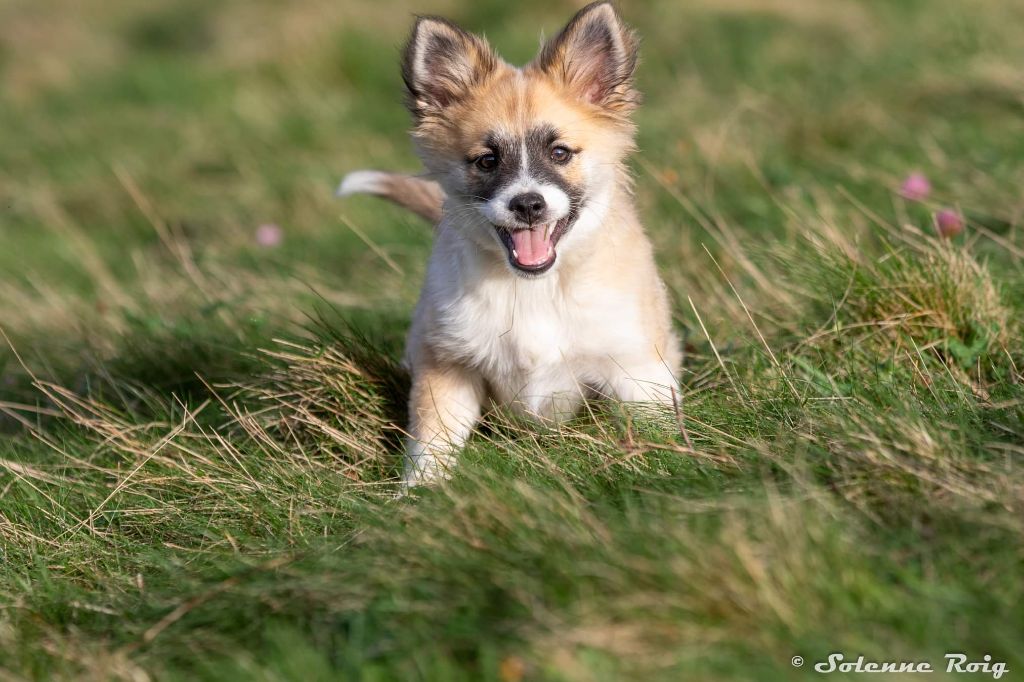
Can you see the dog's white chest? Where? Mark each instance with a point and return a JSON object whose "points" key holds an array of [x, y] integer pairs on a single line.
{"points": [[536, 343], [510, 328]]}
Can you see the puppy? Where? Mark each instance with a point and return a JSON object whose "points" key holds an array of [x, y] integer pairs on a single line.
{"points": [[541, 289]]}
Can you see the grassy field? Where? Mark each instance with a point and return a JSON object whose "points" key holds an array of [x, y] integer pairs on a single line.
{"points": [[200, 425]]}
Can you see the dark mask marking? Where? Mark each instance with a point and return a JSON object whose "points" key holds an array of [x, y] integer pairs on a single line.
{"points": [[484, 185], [539, 141]]}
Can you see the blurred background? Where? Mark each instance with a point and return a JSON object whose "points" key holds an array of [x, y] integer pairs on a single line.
{"points": [[200, 401], [158, 153]]}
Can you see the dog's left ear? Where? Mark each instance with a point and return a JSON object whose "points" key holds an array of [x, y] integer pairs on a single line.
{"points": [[595, 56]]}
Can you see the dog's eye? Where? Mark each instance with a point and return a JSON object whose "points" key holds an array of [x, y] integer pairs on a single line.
{"points": [[560, 154], [487, 162]]}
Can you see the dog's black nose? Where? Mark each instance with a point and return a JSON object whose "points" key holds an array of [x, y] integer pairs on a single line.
{"points": [[528, 207]]}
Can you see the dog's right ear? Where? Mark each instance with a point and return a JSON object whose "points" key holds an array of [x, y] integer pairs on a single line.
{"points": [[442, 63]]}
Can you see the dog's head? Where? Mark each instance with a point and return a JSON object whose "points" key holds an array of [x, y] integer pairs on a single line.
{"points": [[527, 156]]}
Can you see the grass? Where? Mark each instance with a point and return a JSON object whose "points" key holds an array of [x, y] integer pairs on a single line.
{"points": [[199, 436]]}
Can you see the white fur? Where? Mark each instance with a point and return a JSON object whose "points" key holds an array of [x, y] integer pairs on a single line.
{"points": [[363, 182], [497, 212]]}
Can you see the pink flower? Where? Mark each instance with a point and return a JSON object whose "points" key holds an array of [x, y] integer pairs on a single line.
{"points": [[916, 187], [269, 235], [949, 223]]}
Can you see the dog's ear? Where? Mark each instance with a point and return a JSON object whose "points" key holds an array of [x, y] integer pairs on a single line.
{"points": [[595, 57], [442, 63]]}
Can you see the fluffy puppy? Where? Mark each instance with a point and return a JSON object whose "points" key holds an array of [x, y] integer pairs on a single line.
{"points": [[541, 289]]}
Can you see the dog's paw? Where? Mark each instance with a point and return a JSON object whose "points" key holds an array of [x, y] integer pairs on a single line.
{"points": [[426, 469]]}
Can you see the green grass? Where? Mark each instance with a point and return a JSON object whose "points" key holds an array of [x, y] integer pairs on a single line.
{"points": [[199, 437]]}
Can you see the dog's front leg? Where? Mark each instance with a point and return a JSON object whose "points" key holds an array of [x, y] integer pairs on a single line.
{"points": [[443, 408], [649, 381]]}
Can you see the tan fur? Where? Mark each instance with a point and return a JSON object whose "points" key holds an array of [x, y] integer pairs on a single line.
{"points": [[421, 196], [596, 323]]}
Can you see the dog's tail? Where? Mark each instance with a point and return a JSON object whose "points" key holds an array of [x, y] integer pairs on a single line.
{"points": [[421, 196]]}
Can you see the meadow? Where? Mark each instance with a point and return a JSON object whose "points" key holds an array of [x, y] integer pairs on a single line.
{"points": [[201, 402]]}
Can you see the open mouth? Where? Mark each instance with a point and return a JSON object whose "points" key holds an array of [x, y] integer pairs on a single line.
{"points": [[532, 250]]}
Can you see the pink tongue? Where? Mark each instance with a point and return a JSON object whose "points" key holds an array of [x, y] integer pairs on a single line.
{"points": [[532, 248]]}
